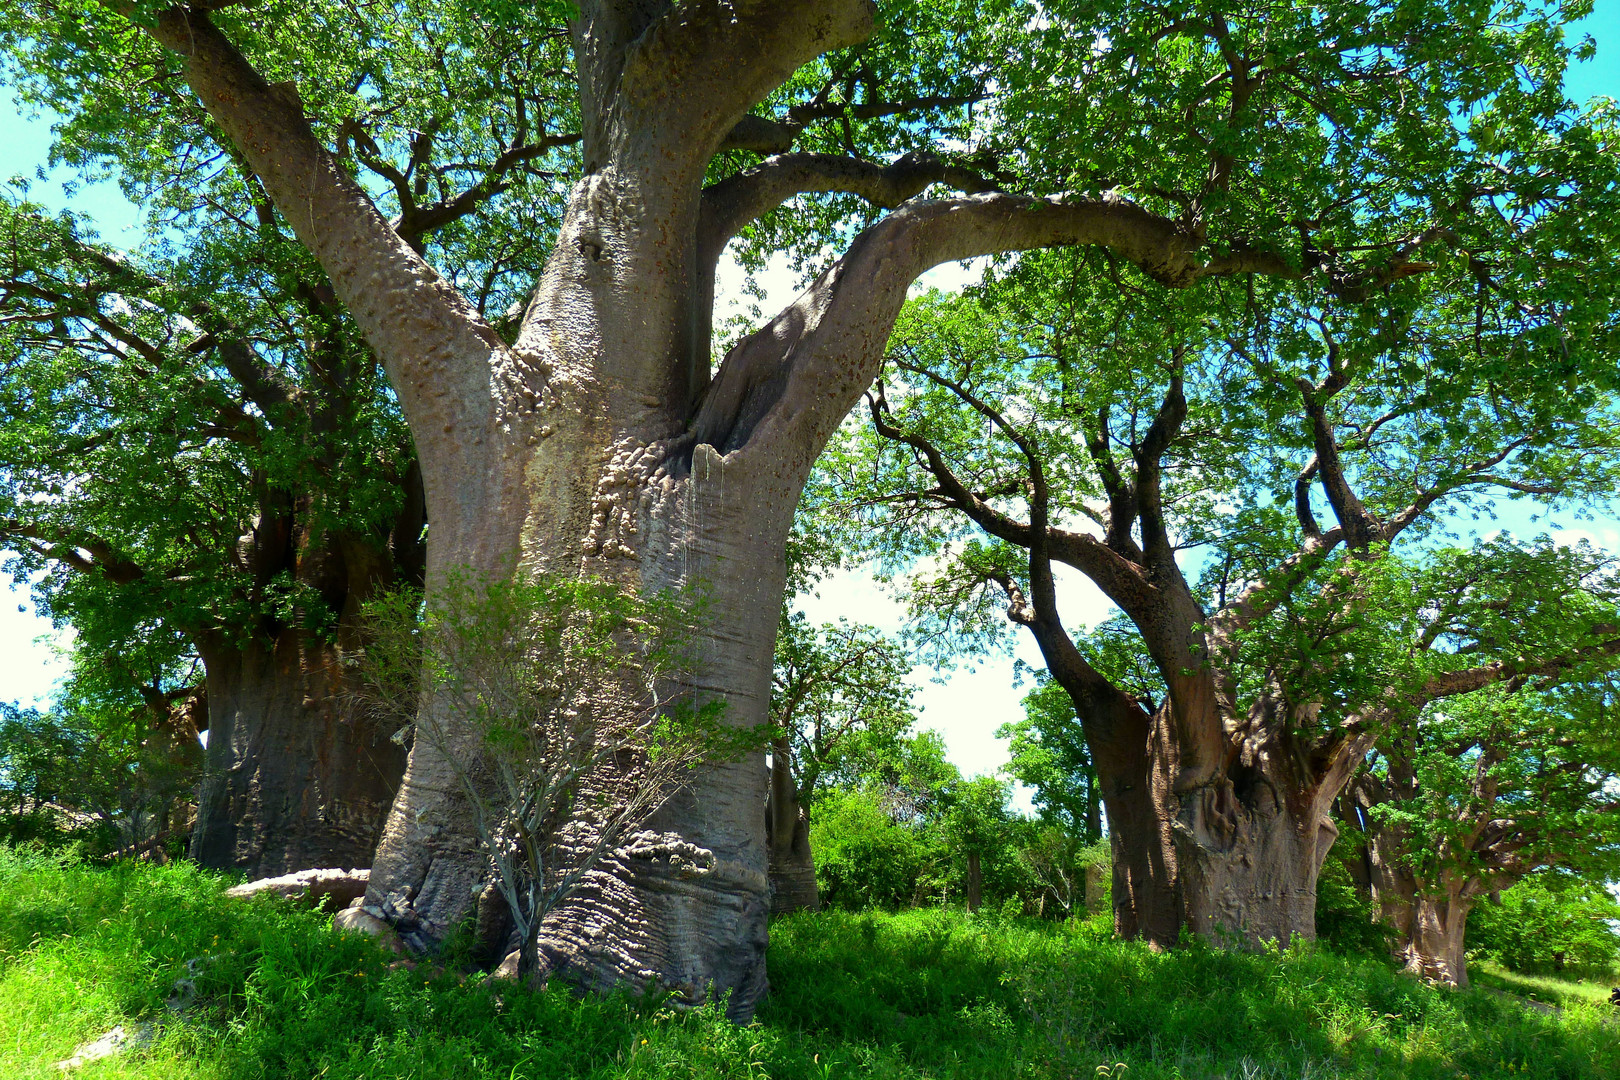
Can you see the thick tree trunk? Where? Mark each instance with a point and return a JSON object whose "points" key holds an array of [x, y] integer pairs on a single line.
{"points": [[975, 881], [685, 904], [792, 868], [584, 470], [1097, 889], [1429, 926], [1145, 900], [1430, 930], [291, 781], [1235, 861], [1249, 850]]}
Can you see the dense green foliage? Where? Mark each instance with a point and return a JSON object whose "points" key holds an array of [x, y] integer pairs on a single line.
{"points": [[1550, 923], [924, 994], [104, 779]]}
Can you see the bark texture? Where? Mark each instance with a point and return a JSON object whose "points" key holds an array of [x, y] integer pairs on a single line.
{"points": [[1430, 928], [792, 866], [291, 782]]}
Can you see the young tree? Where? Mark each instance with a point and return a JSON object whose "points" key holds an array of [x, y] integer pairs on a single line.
{"points": [[199, 459], [839, 697], [597, 439], [559, 783], [1129, 435], [1471, 795]]}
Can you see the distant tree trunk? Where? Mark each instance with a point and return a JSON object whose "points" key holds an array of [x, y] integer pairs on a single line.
{"points": [[1093, 809], [294, 776], [1430, 928], [291, 781], [792, 867], [1096, 889], [1235, 858], [1430, 925], [975, 881]]}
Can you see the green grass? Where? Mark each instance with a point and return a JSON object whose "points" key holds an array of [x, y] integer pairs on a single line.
{"points": [[921, 994], [1548, 988]]}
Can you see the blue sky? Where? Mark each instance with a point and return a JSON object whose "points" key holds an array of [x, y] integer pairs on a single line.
{"points": [[970, 707]]}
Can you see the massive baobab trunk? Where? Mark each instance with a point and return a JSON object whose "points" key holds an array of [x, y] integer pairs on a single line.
{"points": [[1235, 857], [1429, 924], [296, 776], [1429, 927]]}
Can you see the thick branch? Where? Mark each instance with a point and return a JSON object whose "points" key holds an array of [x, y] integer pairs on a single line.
{"points": [[1149, 458], [701, 65], [739, 199], [429, 338], [763, 135], [1555, 669], [88, 554]]}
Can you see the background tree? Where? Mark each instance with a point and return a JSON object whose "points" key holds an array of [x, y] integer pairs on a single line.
{"points": [[199, 460], [597, 438], [1553, 923], [1224, 420], [1467, 798], [113, 765], [839, 698], [1048, 752]]}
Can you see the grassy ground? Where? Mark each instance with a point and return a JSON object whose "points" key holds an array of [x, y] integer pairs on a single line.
{"points": [[1546, 988], [922, 994]]}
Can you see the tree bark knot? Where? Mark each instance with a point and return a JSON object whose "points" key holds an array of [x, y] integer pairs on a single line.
{"points": [[616, 502], [683, 857]]}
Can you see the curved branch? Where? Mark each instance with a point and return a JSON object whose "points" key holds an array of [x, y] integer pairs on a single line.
{"points": [[744, 196], [807, 366], [764, 135], [1555, 669], [429, 338]]}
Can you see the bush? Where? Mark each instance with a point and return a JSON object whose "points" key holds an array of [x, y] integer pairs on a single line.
{"points": [[1549, 924], [1345, 920], [864, 858]]}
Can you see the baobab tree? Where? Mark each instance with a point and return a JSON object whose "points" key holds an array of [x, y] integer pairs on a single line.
{"points": [[200, 462], [838, 694], [595, 436], [1471, 795], [1046, 423]]}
